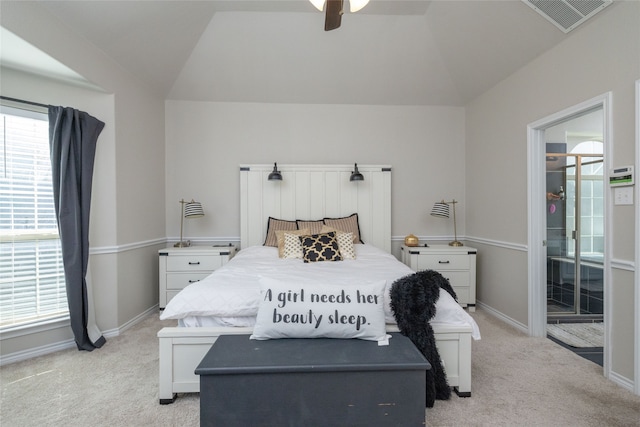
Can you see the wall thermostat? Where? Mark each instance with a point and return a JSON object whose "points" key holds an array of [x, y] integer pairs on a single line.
{"points": [[619, 177]]}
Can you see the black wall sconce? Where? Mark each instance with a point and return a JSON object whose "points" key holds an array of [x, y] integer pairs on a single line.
{"points": [[275, 175], [356, 175]]}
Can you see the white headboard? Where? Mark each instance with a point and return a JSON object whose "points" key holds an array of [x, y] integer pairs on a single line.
{"points": [[311, 192]]}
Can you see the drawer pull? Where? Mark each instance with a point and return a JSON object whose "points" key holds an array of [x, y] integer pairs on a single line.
{"points": [[443, 262], [194, 263], [193, 281]]}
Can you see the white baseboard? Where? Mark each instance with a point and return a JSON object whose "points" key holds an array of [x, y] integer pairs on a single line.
{"points": [[623, 382], [614, 377], [506, 319], [19, 356], [131, 323]]}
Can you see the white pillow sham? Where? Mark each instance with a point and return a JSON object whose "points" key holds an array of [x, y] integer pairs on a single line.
{"points": [[293, 310]]}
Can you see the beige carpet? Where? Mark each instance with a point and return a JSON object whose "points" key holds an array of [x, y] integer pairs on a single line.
{"points": [[517, 381], [579, 335]]}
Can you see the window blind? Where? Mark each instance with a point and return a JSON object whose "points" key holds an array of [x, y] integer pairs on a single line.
{"points": [[32, 286]]}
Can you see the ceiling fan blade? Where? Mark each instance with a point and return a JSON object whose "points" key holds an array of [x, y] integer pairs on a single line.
{"points": [[333, 16]]}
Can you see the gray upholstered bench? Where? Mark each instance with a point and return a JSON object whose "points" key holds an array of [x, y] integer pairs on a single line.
{"points": [[312, 382]]}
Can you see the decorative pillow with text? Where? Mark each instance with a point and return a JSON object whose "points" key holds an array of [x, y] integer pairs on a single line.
{"points": [[294, 310]]}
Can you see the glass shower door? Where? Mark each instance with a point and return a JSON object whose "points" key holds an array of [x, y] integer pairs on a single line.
{"points": [[589, 234], [576, 237]]}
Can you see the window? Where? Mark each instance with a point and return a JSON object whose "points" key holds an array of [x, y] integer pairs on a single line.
{"points": [[591, 199], [32, 286]]}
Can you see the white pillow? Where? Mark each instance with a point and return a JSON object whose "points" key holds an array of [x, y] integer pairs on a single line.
{"points": [[345, 242], [280, 237], [313, 310], [292, 246], [345, 245]]}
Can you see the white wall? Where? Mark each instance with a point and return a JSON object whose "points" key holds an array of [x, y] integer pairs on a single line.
{"points": [[127, 217], [288, 58], [206, 143], [599, 57]]}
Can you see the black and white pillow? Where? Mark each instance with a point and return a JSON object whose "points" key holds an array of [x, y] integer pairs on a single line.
{"points": [[320, 247]]}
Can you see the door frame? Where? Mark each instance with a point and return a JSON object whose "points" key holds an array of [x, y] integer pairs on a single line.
{"points": [[637, 250], [536, 188]]}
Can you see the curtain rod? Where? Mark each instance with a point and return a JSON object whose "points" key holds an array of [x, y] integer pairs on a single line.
{"points": [[23, 101]]}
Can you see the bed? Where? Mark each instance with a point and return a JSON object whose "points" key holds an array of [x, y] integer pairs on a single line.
{"points": [[318, 196]]}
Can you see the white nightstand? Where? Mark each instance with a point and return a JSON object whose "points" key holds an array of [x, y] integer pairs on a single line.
{"points": [[457, 264], [178, 267]]}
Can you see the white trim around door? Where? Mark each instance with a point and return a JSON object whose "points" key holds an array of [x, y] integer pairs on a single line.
{"points": [[536, 187], [636, 381]]}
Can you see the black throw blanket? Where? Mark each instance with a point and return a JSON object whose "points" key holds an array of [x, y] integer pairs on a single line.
{"points": [[413, 302]]}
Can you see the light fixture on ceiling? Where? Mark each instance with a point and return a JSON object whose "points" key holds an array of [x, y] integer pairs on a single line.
{"points": [[190, 209], [356, 175], [275, 175], [334, 10], [318, 4], [441, 209], [354, 5]]}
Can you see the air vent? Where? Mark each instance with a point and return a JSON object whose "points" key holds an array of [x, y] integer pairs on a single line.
{"points": [[567, 14]]}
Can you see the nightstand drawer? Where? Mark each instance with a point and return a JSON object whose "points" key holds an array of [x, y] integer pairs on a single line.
{"points": [[179, 281], [443, 262], [463, 295], [194, 263], [171, 294], [179, 267], [456, 264], [457, 278]]}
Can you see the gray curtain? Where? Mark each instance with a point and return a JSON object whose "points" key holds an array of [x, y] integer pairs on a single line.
{"points": [[73, 136]]}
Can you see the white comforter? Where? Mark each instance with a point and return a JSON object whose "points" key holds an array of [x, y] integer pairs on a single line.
{"points": [[231, 294]]}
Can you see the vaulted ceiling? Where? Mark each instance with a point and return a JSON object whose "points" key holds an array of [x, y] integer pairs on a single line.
{"points": [[393, 52]]}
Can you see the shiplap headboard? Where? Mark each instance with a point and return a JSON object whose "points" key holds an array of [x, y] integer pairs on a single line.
{"points": [[310, 192]]}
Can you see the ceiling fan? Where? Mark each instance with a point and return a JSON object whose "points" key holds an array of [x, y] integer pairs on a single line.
{"points": [[334, 12]]}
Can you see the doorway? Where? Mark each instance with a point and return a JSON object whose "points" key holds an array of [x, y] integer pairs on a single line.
{"points": [[575, 233], [568, 227]]}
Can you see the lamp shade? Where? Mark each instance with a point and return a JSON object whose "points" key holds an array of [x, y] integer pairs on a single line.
{"points": [[193, 209], [441, 210], [190, 209]]}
